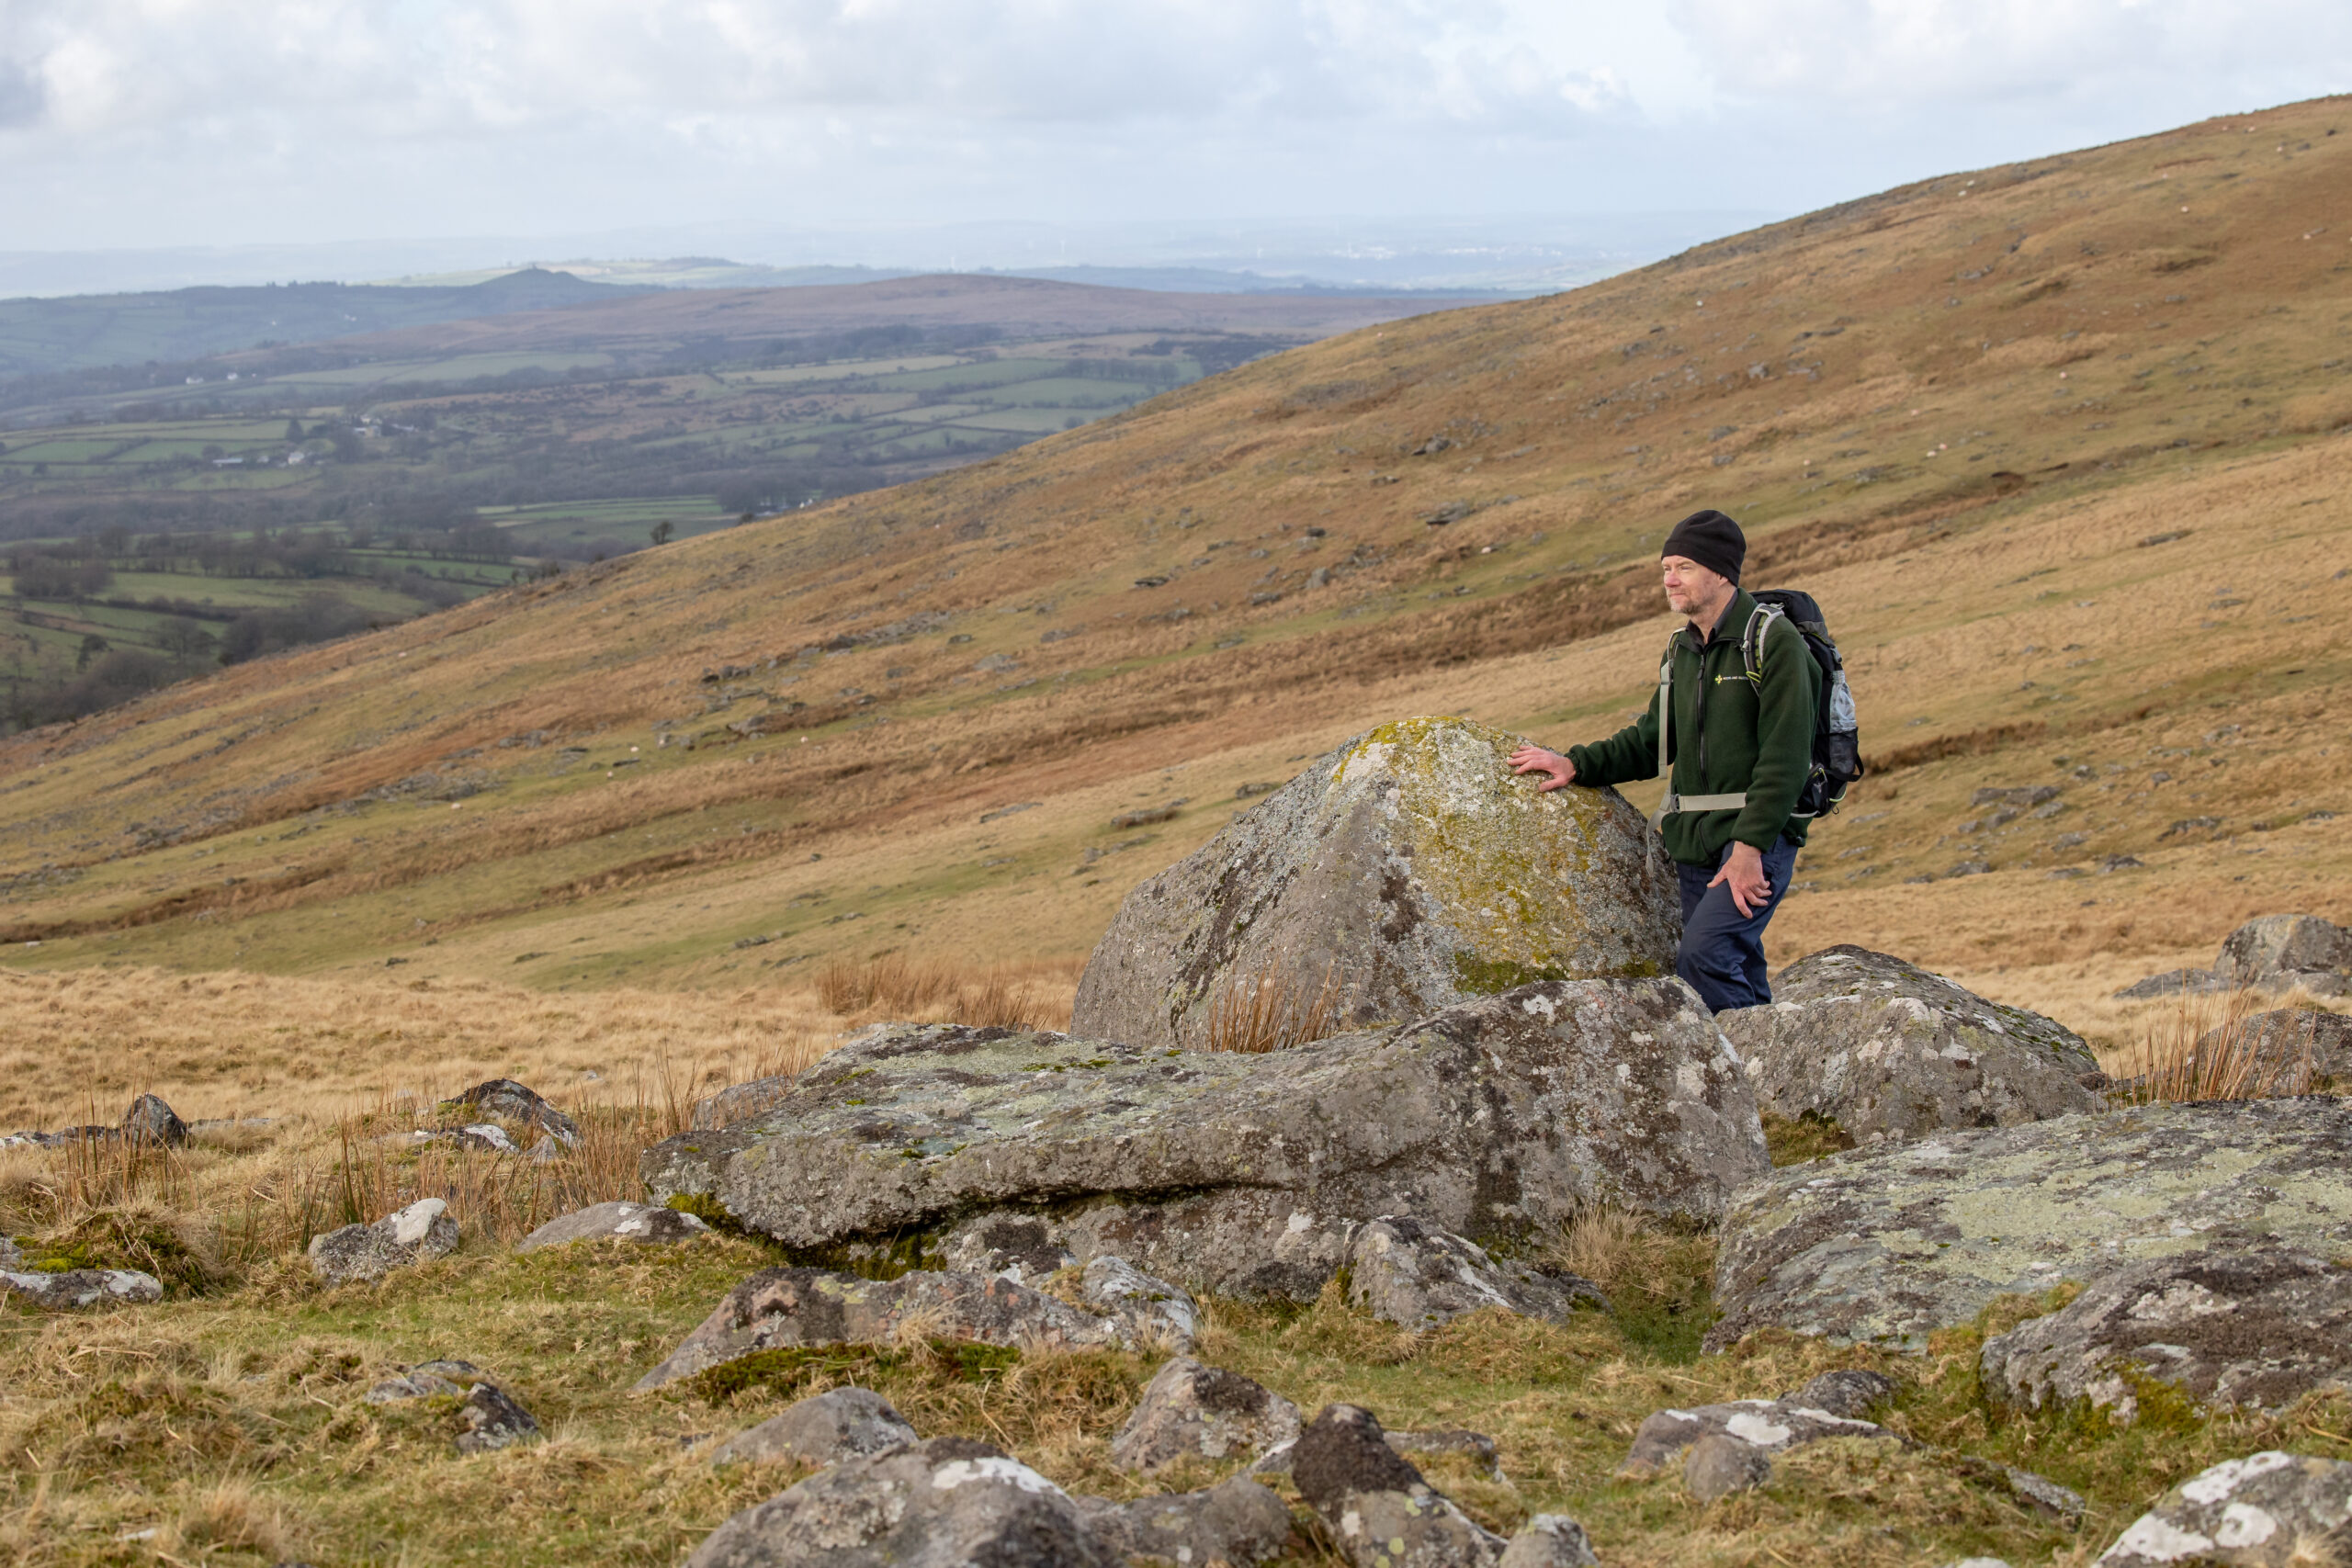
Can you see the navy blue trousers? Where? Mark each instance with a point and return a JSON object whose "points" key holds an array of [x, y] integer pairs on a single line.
{"points": [[1723, 950]]}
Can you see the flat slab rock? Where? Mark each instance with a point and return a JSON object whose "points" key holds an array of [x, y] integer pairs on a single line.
{"points": [[784, 1308], [2258, 1327], [1890, 1244], [825, 1428], [1768, 1426], [934, 1504], [2267, 1510], [1888, 1050], [616, 1221], [1405, 1272], [78, 1290], [1413, 868], [1240, 1174]]}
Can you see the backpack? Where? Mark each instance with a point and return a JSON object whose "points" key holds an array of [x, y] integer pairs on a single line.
{"points": [[1836, 739]]}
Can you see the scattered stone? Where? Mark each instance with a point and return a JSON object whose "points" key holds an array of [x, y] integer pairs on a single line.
{"points": [[2272, 952], [424, 1230], [1152, 1310], [1477, 1445], [411, 1385], [493, 1420], [2256, 1327], [504, 1097], [1970, 868], [1768, 1426], [1888, 1051], [2021, 797], [1237, 1522], [1235, 1173], [78, 1290], [2267, 1510], [487, 1136], [1380, 1511], [950, 1500], [2284, 1038], [1549, 1540], [2060, 1503], [1405, 1272], [1850, 1391], [1888, 1244], [777, 1308], [1413, 869], [1720, 1465], [843, 1423], [11, 1256], [1191, 1409], [616, 1221], [149, 1120]]}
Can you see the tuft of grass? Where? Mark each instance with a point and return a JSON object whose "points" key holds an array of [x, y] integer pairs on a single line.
{"points": [[1795, 1140], [894, 987], [2184, 1054], [1658, 1275], [1272, 1010]]}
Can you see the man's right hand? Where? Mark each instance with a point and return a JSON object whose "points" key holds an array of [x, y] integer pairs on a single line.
{"points": [[1535, 759]]}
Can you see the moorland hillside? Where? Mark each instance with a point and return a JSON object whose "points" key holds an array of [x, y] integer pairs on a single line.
{"points": [[2061, 446]]}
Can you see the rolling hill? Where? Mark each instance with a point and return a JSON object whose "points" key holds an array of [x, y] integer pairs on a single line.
{"points": [[2061, 446]]}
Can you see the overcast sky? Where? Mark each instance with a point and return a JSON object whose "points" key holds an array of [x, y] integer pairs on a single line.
{"points": [[167, 122]]}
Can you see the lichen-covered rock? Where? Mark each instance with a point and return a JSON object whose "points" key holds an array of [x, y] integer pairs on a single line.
{"points": [[78, 1290], [490, 1420], [946, 1501], [2259, 1327], [1549, 1540], [1154, 1311], [2267, 1510], [1379, 1509], [1405, 1272], [825, 1428], [1237, 1522], [504, 1097], [2286, 947], [1196, 1411], [781, 1308], [424, 1230], [1891, 1244], [151, 1119], [1849, 1390], [1768, 1426], [1240, 1174], [1022, 1247], [616, 1221], [1720, 1465], [1413, 868], [413, 1385], [2284, 1041], [1887, 1050]]}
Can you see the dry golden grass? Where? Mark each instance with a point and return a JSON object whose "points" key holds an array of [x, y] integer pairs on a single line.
{"points": [[1272, 1010], [2208, 1046], [895, 987]]}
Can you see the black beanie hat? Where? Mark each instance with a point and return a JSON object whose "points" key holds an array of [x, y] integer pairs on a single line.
{"points": [[1710, 538]]}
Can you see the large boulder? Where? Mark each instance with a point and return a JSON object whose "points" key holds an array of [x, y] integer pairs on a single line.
{"points": [[1887, 1050], [1240, 1174], [2267, 1510], [2272, 952], [1405, 1272], [937, 1504], [1893, 1243], [779, 1309], [2257, 1328], [1412, 868]]}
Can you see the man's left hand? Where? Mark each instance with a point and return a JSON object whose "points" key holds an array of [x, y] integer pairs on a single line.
{"points": [[1743, 873]]}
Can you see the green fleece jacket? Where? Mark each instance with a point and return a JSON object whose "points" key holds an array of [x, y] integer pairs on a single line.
{"points": [[1728, 735]]}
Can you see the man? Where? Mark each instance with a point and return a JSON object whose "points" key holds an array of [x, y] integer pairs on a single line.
{"points": [[1740, 751]]}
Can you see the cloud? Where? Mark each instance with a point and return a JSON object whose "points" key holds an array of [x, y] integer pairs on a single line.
{"points": [[1910, 54], [21, 95]]}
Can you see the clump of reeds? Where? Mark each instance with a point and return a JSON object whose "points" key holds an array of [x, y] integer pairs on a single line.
{"points": [[1272, 1010], [893, 985], [2183, 1054]]}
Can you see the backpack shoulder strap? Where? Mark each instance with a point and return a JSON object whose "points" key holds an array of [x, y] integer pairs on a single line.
{"points": [[1751, 641]]}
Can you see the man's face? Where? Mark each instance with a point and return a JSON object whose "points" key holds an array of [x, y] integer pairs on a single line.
{"points": [[1690, 587]]}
